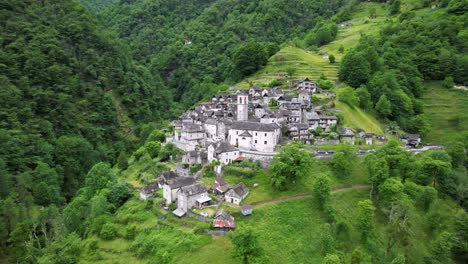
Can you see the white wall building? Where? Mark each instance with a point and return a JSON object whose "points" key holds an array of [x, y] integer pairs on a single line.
{"points": [[254, 136]]}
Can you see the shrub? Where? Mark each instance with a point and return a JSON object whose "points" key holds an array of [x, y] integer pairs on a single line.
{"points": [[108, 231]]}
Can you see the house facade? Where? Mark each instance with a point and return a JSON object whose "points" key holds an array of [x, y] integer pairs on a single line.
{"points": [[254, 136]]}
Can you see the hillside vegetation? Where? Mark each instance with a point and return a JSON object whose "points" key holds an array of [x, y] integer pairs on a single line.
{"points": [[84, 109]]}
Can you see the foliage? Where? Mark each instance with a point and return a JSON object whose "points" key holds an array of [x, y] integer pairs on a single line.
{"points": [[365, 218], [245, 244], [342, 162], [108, 231], [331, 58], [354, 69], [348, 96], [122, 161], [383, 106], [99, 177], [291, 164], [322, 190], [248, 58]]}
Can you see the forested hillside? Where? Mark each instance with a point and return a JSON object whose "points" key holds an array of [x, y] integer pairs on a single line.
{"points": [[67, 87], [192, 44], [87, 88]]}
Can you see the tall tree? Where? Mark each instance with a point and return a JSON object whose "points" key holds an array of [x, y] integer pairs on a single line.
{"points": [[322, 190], [365, 218], [291, 164], [245, 244]]}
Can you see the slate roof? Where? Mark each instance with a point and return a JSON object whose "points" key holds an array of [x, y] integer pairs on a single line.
{"points": [[211, 121], [223, 215], [329, 117], [246, 207], [180, 182], [167, 175], [194, 189], [245, 134], [239, 191], [150, 189], [224, 147], [347, 132], [411, 137], [254, 126], [192, 128]]}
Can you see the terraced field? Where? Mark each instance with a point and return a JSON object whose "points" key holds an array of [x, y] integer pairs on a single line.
{"points": [[448, 112]]}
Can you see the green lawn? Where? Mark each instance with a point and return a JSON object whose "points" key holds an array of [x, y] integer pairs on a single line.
{"points": [[448, 112]]}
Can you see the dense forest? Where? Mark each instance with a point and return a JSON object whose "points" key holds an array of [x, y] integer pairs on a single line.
{"points": [[86, 87], [191, 44], [389, 69]]}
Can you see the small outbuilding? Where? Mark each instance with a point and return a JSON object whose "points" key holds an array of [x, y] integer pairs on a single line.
{"points": [[223, 220], [246, 209]]}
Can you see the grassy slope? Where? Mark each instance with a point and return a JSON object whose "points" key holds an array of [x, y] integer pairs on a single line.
{"points": [[311, 64], [447, 111]]}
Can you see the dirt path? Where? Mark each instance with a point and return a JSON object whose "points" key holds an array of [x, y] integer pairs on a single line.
{"points": [[305, 195]]}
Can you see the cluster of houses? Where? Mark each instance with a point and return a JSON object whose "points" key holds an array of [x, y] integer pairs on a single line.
{"points": [[188, 193], [249, 124]]}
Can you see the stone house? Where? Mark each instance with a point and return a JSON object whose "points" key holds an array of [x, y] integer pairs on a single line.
{"points": [[165, 177], [171, 188], [148, 191], [306, 84], [192, 133], [191, 196], [300, 132], [236, 194], [347, 136], [223, 152], [411, 140]]}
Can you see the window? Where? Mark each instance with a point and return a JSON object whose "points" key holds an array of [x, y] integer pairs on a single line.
{"points": [[255, 141], [265, 142], [237, 132], [265, 134], [255, 133]]}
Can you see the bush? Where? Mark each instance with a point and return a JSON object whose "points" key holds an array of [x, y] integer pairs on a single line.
{"points": [[195, 168], [130, 232], [108, 231]]}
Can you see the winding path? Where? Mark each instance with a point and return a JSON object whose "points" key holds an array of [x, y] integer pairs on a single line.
{"points": [[303, 196]]}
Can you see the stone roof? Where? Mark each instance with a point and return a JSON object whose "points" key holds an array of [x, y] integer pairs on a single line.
{"points": [[192, 128], [223, 215], [254, 126], [347, 132], [211, 121], [411, 137], [239, 191], [150, 189], [224, 147], [180, 182], [246, 207], [329, 117], [168, 175], [245, 134], [194, 189]]}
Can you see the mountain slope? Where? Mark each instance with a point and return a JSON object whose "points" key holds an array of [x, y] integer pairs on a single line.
{"points": [[156, 31]]}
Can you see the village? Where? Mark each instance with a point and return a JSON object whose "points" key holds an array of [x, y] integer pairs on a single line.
{"points": [[250, 125]]}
